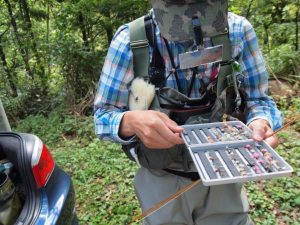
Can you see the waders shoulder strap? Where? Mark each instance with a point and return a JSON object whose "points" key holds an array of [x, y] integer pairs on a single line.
{"points": [[140, 47], [225, 68]]}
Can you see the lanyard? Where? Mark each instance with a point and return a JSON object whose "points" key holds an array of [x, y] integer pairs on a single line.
{"points": [[174, 71]]}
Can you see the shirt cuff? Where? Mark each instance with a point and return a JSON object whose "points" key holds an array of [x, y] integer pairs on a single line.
{"points": [[121, 140], [261, 117]]}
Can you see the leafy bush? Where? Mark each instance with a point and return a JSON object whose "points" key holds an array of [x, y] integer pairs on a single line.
{"points": [[283, 60], [57, 127]]}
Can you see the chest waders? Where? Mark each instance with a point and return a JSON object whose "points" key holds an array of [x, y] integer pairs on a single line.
{"points": [[226, 100]]}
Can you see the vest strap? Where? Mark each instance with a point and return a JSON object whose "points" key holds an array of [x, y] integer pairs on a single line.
{"points": [[140, 47], [223, 39], [226, 65]]}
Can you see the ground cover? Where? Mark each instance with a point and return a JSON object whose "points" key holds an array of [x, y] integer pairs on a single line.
{"points": [[103, 176]]}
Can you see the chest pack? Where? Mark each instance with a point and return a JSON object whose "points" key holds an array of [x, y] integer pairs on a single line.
{"points": [[218, 100]]}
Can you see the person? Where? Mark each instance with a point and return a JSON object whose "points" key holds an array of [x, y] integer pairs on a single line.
{"points": [[154, 130]]}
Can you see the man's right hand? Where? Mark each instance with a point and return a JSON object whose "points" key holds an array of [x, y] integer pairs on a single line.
{"points": [[155, 129]]}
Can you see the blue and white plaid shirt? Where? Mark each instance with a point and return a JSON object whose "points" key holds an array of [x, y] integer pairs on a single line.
{"points": [[112, 96]]}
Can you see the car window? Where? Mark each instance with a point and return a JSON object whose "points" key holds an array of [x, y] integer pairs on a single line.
{"points": [[4, 124]]}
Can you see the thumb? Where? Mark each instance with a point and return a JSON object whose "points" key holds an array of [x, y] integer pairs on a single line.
{"points": [[258, 133], [259, 129]]}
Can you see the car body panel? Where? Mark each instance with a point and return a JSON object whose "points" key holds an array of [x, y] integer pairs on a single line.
{"points": [[57, 200], [53, 204]]}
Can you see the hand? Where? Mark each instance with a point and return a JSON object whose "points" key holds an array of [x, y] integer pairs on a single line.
{"points": [[261, 130], [155, 129]]}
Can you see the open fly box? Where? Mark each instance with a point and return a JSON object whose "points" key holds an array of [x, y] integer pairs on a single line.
{"points": [[225, 153]]}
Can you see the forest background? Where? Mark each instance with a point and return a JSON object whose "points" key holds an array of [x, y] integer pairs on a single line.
{"points": [[51, 53]]}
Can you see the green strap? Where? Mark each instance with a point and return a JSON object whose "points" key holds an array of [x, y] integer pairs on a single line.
{"points": [[226, 69], [223, 39], [140, 48], [222, 78]]}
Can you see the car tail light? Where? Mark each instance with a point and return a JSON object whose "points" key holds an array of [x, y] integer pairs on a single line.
{"points": [[42, 163]]}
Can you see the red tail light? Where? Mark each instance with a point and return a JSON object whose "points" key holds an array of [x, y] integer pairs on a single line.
{"points": [[42, 163]]}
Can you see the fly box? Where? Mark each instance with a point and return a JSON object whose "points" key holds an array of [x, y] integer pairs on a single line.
{"points": [[225, 153]]}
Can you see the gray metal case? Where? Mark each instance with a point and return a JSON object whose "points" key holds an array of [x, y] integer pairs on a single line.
{"points": [[225, 153]]}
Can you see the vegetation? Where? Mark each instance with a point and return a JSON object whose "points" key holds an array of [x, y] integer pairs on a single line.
{"points": [[103, 176], [51, 52]]}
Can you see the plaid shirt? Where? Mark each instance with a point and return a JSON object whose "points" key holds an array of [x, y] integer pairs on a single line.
{"points": [[112, 96]]}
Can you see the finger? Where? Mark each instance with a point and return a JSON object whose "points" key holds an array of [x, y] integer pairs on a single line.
{"points": [[259, 129], [170, 123], [168, 134], [159, 143], [152, 139], [258, 133], [269, 132], [179, 135], [273, 141], [175, 129]]}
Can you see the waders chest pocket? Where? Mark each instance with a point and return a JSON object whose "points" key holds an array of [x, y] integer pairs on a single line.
{"points": [[9, 201], [225, 153]]}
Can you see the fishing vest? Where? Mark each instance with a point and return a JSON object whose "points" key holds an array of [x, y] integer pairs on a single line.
{"points": [[221, 100]]}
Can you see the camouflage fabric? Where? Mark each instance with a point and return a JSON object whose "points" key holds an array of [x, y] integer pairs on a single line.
{"points": [[174, 17]]}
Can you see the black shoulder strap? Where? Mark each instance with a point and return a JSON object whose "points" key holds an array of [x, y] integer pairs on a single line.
{"points": [[157, 64]]}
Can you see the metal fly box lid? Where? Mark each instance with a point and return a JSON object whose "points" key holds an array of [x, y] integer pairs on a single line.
{"points": [[225, 153]]}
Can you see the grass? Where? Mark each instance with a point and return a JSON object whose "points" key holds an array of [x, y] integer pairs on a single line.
{"points": [[103, 176]]}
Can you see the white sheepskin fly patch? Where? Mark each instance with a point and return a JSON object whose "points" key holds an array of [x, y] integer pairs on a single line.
{"points": [[141, 94]]}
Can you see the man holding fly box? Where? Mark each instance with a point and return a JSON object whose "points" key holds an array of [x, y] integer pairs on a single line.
{"points": [[187, 62]]}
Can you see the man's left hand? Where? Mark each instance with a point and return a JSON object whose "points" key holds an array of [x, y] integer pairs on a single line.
{"points": [[261, 130]]}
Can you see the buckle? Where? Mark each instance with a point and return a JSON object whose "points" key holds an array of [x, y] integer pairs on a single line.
{"points": [[139, 44]]}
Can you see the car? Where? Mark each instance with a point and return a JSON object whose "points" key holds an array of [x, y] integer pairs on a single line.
{"points": [[34, 190]]}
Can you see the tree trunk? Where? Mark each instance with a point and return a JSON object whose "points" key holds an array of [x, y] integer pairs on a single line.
{"points": [[28, 27], [247, 14], [297, 31], [83, 31], [109, 34], [23, 50], [47, 38], [9, 76], [266, 37]]}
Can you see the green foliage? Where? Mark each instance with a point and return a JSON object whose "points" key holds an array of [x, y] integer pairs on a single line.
{"points": [[57, 127], [103, 176], [58, 53], [277, 201], [288, 106], [64, 50], [58, 50], [103, 179], [283, 60]]}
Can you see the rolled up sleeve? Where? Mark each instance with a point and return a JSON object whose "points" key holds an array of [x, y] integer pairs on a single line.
{"points": [[111, 99], [259, 104]]}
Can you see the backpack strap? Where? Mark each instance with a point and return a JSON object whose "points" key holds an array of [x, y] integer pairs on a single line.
{"points": [[140, 47]]}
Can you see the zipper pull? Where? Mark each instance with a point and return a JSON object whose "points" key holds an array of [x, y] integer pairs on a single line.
{"points": [[225, 117], [237, 67]]}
